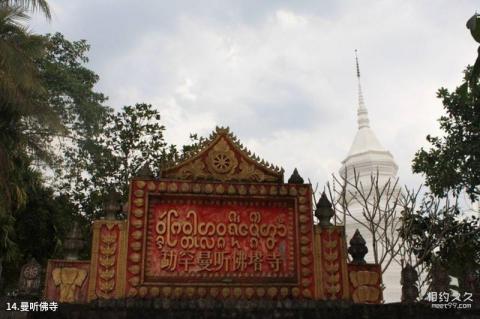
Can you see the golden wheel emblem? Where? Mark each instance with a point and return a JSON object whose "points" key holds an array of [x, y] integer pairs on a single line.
{"points": [[222, 163], [221, 160]]}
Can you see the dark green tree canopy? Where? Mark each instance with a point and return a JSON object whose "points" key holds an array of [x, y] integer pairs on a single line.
{"points": [[99, 164], [453, 161]]}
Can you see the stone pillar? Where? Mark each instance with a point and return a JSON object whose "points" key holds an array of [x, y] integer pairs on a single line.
{"points": [[365, 279], [471, 284], [108, 261], [408, 280], [112, 206], [330, 255], [107, 271], [440, 278], [73, 243]]}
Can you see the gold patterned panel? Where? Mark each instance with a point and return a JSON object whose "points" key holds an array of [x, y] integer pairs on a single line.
{"points": [[329, 274], [108, 260], [250, 172], [223, 158], [194, 170]]}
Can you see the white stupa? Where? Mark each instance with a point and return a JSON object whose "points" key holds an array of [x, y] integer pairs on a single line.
{"points": [[367, 158], [366, 154]]}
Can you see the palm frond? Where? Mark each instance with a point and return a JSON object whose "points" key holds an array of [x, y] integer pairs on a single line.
{"points": [[30, 5]]}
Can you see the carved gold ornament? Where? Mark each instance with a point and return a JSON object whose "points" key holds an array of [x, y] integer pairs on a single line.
{"points": [[167, 291], [365, 294], [107, 261], [307, 293], [142, 292], [365, 286], [135, 269], [202, 292], [107, 274], [154, 291], [295, 291], [221, 160], [272, 292], [250, 172], [195, 170], [225, 292], [363, 277], [331, 265], [222, 157], [106, 287], [69, 279], [260, 292]]}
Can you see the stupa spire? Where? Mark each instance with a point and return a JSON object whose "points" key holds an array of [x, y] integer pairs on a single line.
{"points": [[362, 113]]}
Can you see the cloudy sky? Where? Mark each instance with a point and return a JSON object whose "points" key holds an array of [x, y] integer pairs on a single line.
{"points": [[281, 74]]}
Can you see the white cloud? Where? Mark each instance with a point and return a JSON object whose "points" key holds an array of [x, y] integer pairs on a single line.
{"points": [[280, 74], [288, 19]]}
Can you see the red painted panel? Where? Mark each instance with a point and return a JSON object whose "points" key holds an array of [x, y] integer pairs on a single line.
{"points": [[220, 240]]}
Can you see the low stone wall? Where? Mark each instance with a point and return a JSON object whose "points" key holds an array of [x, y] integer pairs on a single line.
{"points": [[207, 308]]}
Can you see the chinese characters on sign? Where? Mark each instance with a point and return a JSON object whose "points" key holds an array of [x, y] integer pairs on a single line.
{"points": [[232, 242], [25, 306]]}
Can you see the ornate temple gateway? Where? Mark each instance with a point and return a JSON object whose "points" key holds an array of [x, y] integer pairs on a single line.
{"points": [[222, 224]]}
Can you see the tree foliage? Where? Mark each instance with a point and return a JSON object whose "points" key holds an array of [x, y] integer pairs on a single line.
{"points": [[29, 5], [450, 238], [437, 233], [128, 140], [53, 122], [45, 93], [36, 229], [70, 87], [19, 87], [453, 161]]}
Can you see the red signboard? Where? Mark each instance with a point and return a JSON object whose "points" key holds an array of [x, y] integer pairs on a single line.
{"points": [[220, 239], [217, 239]]}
